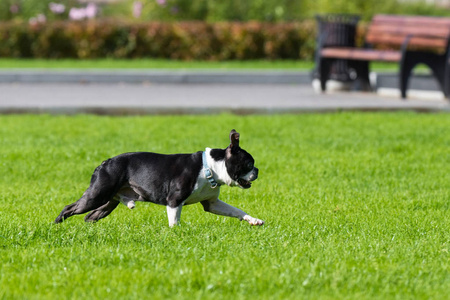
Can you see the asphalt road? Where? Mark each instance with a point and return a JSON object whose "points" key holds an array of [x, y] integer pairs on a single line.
{"points": [[148, 98]]}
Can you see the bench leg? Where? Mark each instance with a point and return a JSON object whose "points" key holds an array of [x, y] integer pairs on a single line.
{"points": [[447, 79], [434, 61], [438, 68], [437, 64], [406, 67], [324, 72], [362, 70], [446, 66]]}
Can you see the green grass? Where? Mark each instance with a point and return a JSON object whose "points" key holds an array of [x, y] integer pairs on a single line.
{"points": [[150, 64], [356, 207], [293, 65]]}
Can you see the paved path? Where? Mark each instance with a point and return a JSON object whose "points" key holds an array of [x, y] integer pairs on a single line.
{"points": [[192, 98]]}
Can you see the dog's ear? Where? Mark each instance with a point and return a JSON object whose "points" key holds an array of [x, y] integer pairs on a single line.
{"points": [[234, 139]]}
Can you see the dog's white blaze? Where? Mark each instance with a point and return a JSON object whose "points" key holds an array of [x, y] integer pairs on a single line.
{"points": [[219, 169]]}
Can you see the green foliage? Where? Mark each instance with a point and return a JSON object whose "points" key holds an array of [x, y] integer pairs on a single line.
{"points": [[281, 10], [184, 41], [231, 10], [170, 10], [368, 8], [356, 206], [365, 8], [27, 9]]}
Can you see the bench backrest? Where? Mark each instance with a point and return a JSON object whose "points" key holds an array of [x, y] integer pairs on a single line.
{"points": [[391, 30]]}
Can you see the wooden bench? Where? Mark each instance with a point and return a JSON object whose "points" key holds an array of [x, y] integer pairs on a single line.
{"points": [[408, 40]]}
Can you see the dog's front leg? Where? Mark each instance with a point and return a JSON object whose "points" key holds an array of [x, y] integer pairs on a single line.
{"points": [[221, 208], [174, 214]]}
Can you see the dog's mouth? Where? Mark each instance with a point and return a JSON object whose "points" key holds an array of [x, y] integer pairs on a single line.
{"points": [[244, 183]]}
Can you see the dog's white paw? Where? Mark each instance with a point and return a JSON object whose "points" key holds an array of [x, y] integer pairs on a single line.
{"points": [[131, 205], [253, 221]]}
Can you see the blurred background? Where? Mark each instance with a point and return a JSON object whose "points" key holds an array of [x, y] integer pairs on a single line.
{"points": [[180, 29], [211, 10]]}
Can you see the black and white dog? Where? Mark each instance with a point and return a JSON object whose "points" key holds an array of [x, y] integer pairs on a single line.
{"points": [[171, 180]]}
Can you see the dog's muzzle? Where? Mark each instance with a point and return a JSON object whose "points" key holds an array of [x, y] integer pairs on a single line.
{"points": [[246, 181]]}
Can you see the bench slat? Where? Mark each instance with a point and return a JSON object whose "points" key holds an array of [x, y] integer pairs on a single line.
{"points": [[430, 32], [424, 42], [361, 54], [438, 32]]}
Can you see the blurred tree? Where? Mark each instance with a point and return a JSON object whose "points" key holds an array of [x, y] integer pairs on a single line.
{"points": [[216, 10]]}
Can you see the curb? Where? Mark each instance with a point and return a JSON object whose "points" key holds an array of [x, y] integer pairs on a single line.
{"points": [[387, 80], [128, 111], [155, 76]]}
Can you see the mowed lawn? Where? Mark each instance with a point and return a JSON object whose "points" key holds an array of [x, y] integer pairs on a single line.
{"points": [[357, 206]]}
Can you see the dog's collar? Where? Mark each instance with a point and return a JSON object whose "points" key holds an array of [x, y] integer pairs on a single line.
{"points": [[208, 173]]}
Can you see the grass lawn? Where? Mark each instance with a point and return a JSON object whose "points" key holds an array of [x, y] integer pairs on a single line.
{"points": [[150, 64], [293, 65], [356, 207]]}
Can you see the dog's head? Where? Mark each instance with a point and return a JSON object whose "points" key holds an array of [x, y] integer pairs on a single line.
{"points": [[239, 163]]}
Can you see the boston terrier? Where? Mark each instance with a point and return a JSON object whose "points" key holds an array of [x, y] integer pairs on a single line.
{"points": [[171, 180]]}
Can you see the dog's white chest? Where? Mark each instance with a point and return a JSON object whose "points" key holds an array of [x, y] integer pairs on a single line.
{"points": [[202, 191]]}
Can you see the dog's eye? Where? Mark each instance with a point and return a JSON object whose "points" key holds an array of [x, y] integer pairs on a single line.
{"points": [[250, 165]]}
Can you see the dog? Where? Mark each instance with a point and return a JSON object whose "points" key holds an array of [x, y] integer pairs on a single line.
{"points": [[172, 180]]}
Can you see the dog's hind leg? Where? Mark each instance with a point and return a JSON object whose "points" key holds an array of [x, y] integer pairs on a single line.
{"points": [[102, 211], [66, 212], [104, 185], [94, 198], [83, 205]]}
